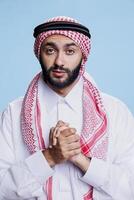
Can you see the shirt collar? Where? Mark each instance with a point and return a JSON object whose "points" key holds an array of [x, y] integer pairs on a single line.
{"points": [[73, 99]]}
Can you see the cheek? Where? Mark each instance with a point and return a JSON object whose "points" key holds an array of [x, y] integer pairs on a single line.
{"points": [[74, 62], [47, 61]]}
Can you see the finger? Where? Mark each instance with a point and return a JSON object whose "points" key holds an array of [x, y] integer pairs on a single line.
{"points": [[59, 130], [68, 131], [54, 139], [73, 146], [56, 133], [72, 138], [73, 130], [61, 123], [51, 137], [74, 152]]}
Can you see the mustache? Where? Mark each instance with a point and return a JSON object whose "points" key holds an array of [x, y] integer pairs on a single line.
{"points": [[60, 68]]}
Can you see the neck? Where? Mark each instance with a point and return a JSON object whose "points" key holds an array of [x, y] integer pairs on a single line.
{"points": [[64, 91]]}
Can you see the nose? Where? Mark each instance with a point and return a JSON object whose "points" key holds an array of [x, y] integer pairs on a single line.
{"points": [[59, 60]]}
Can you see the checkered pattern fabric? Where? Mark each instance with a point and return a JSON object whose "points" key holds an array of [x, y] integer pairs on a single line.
{"points": [[80, 39]]}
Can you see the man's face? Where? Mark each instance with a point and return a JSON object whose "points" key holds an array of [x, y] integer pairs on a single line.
{"points": [[60, 61]]}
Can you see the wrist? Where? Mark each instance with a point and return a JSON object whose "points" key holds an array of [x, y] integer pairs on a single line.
{"points": [[48, 157], [82, 162]]}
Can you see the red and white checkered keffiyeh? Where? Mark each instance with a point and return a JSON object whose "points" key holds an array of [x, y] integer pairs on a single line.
{"points": [[94, 139], [80, 39]]}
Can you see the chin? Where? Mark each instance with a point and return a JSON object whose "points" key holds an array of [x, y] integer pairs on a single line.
{"points": [[59, 80]]}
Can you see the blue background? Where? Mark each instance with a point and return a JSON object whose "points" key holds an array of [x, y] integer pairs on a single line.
{"points": [[111, 23]]}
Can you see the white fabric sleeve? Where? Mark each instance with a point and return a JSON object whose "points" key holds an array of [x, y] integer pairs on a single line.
{"points": [[114, 178], [20, 179]]}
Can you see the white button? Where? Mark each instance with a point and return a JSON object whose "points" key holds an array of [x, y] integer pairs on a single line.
{"points": [[61, 101]]}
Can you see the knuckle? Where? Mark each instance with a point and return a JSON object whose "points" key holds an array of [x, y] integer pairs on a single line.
{"points": [[60, 121], [60, 142], [78, 145], [77, 151], [77, 137], [65, 131], [72, 130]]}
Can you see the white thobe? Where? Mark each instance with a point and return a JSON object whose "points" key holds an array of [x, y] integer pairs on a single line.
{"points": [[22, 176]]}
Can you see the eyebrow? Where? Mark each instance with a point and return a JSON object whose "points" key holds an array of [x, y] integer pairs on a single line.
{"points": [[71, 44], [54, 45]]}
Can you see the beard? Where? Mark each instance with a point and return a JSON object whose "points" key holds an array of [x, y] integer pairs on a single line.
{"points": [[72, 75]]}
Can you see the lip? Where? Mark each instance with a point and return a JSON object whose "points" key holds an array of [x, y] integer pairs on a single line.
{"points": [[58, 73]]}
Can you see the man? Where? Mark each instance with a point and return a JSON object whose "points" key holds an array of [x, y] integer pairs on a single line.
{"points": [[65, 139]]}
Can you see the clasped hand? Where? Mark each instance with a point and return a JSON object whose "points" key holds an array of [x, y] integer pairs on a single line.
{"points": [[64, 143]]}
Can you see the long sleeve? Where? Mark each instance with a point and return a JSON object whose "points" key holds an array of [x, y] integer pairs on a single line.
{"points": [[22, 178], [114, 178]]}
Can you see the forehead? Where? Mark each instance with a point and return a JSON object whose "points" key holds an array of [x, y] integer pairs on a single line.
{"points": [[59, 40]]}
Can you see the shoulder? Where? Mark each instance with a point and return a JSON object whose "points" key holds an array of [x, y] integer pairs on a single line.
{"points": [[113, 104], [10, 120], [17, 103], [13, 109], [120, 125], [119, 116]]}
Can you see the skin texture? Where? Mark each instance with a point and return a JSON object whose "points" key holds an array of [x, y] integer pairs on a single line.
{"points": [[64, 142], [65, 56], [65, 145]]}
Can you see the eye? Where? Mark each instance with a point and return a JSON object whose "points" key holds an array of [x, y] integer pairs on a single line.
{"points": [[70, 51], [49, 50]]}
